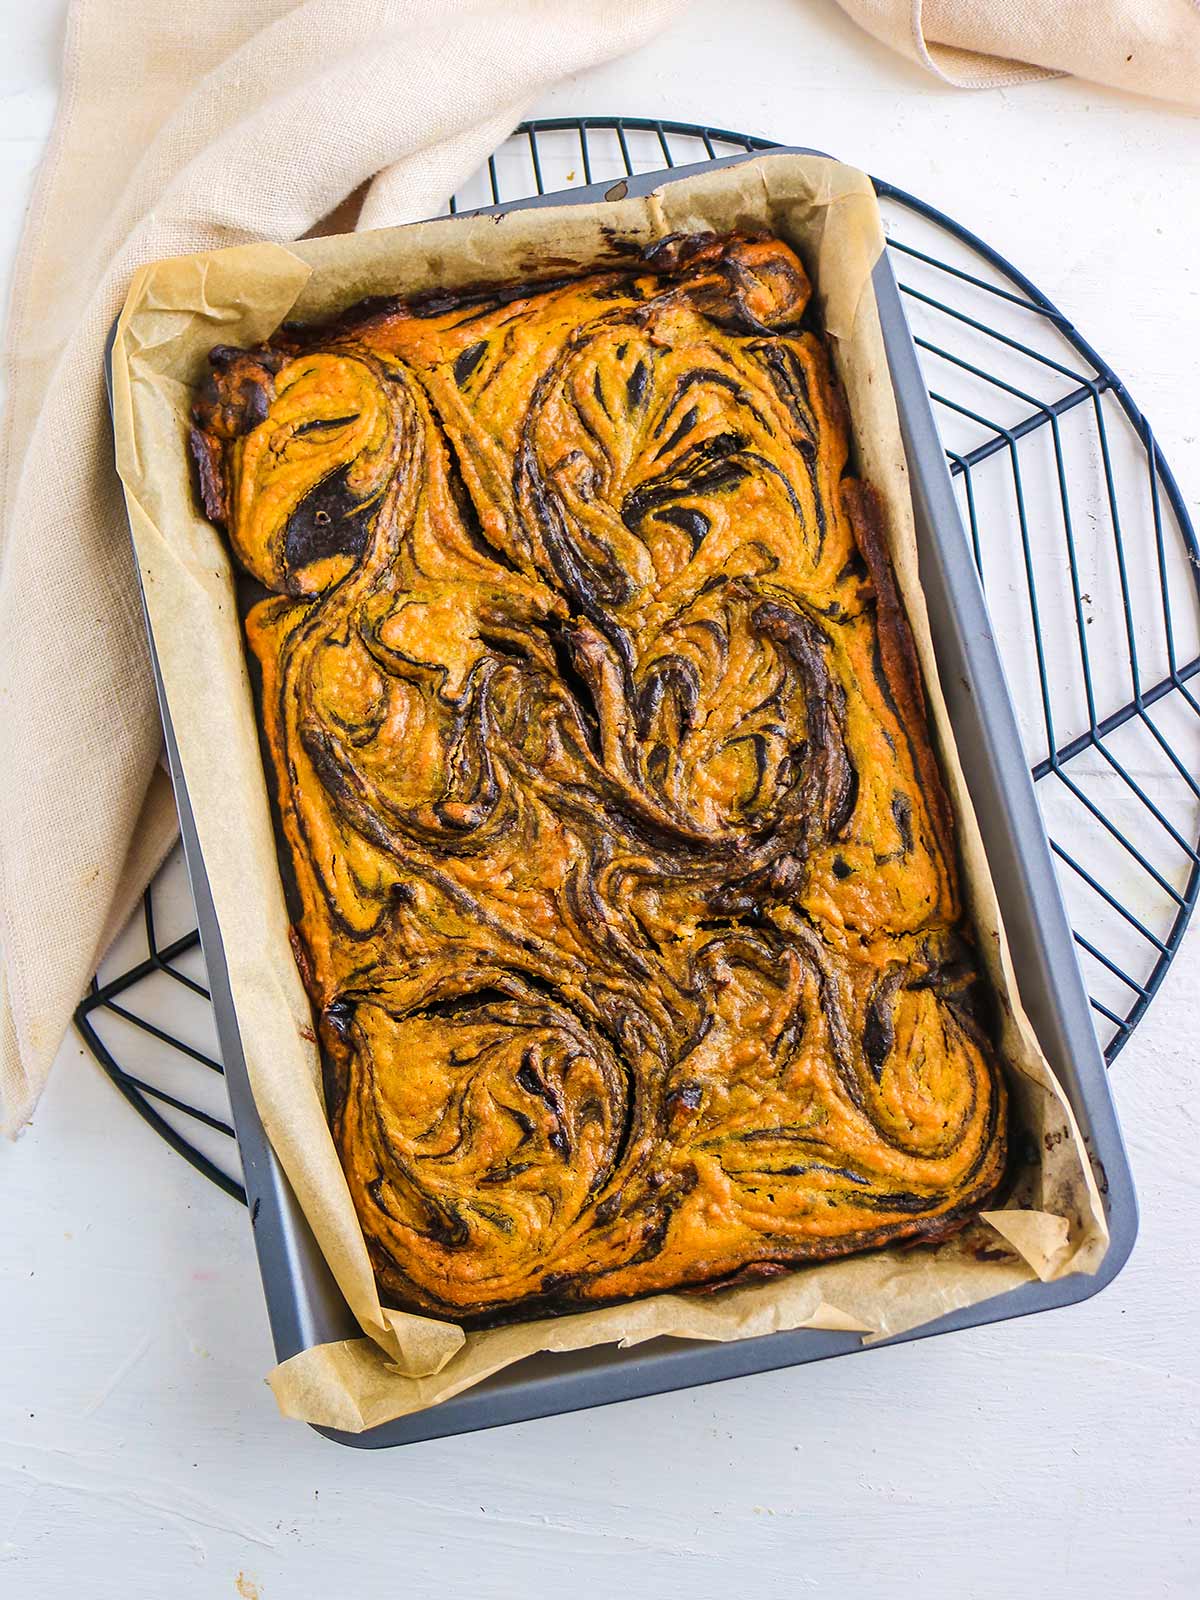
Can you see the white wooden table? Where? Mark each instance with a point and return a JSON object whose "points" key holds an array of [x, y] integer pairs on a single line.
{"points": [[140, 1453]]}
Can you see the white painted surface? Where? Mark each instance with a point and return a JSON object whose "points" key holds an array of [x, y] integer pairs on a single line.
{"points": [[140, 1453]]}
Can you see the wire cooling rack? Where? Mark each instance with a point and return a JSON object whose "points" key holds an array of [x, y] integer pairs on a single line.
{"points": [[1088, 558]]}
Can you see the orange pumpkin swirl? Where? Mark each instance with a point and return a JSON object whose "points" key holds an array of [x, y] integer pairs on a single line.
{"points": [[624, 876]]}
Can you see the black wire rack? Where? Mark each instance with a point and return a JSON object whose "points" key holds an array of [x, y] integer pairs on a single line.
{"points": [[1088, 557]]}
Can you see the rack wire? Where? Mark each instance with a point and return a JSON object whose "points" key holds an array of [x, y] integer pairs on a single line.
{"points": [[1087, 555]]}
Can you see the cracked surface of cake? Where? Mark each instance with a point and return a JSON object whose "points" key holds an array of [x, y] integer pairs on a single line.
{"points": [[622, 872]]}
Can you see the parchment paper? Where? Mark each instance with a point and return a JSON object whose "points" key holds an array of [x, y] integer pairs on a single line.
{"points": [[177, 310]]}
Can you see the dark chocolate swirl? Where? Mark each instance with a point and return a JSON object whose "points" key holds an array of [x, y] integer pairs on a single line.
{"points": [[625, 876]]}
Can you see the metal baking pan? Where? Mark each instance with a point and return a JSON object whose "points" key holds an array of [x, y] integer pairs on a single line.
{"points": [[304, 1304]]}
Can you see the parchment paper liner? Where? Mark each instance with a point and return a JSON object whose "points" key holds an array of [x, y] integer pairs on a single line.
{"points": [[177, 310]]}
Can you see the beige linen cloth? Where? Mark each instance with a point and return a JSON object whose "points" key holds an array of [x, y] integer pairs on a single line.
{"points": [[1149, 47], [183, 127]]}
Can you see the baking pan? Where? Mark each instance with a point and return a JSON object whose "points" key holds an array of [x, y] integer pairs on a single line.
{"points": [[304, 1304]]}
